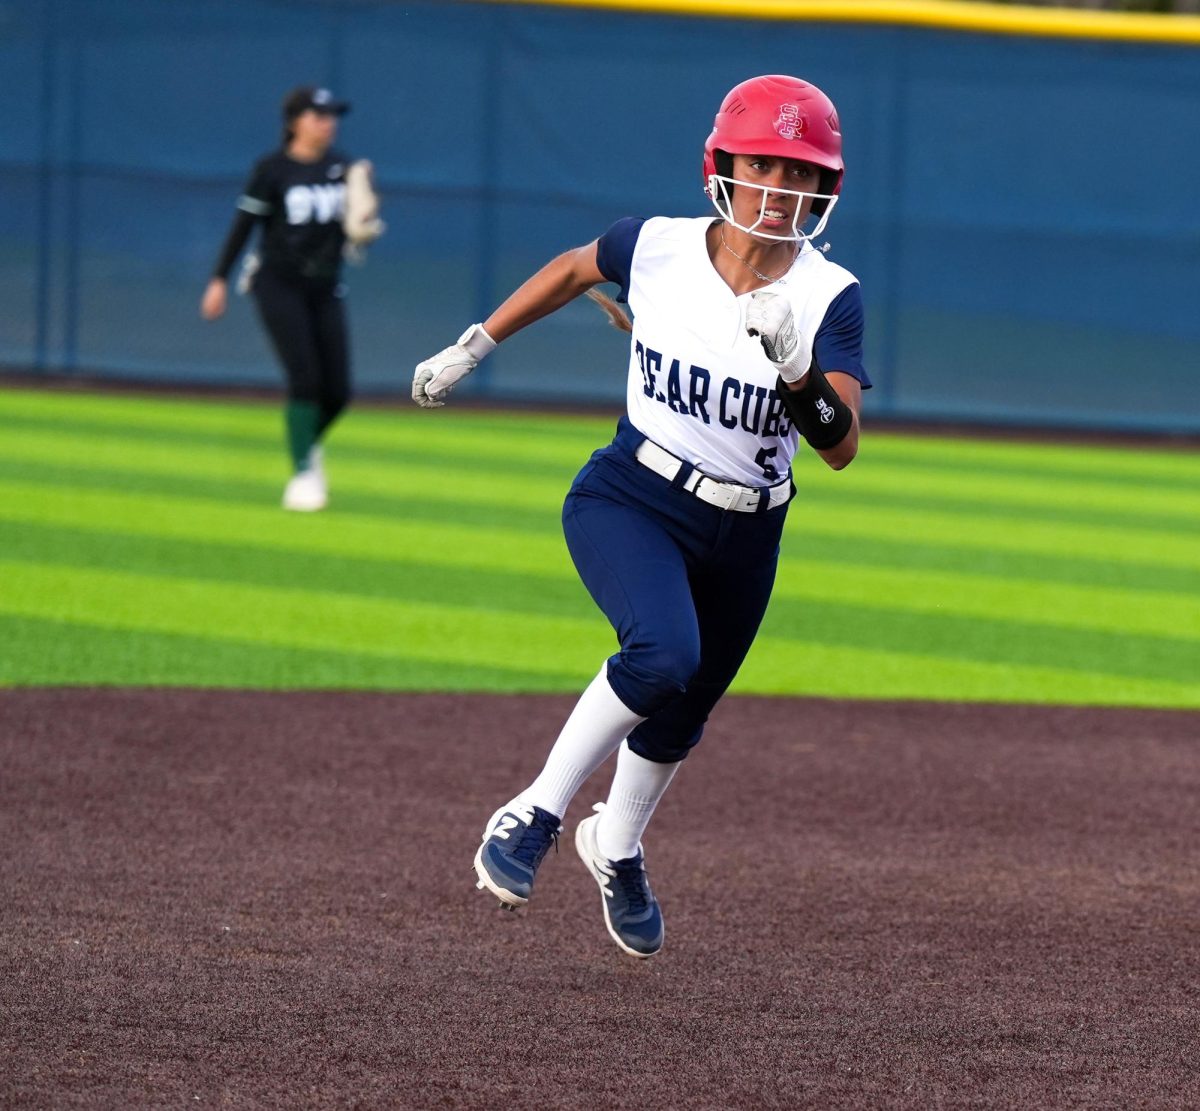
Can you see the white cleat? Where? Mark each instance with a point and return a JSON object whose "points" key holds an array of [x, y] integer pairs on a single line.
{"points": [[306, 492]]}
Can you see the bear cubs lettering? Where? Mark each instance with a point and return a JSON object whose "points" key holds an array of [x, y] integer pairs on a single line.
{"points": [[756, 409]]}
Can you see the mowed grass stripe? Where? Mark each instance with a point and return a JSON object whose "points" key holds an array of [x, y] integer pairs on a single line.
{"points": [[1090, 466], [257, 479], [438, 444], [990, 638], [1003, 533], [462, 544], [1065, 639], [366, 420], [1150, 464], [436, 631], [490, 485], [366, 431], [1071, 499], [172, 452], [259, 472], [788, 667], [41, 651], [862, 553], [1175, 616], [913, 553], [349, 535], [396, 579], [467, 544], [119, 602], [369, 423], [264, 497], [157, 446], [940, 600], [561, 437], [922, 581]]}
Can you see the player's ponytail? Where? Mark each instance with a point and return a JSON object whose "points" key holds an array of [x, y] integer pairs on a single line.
{"points": [[614, 312]]}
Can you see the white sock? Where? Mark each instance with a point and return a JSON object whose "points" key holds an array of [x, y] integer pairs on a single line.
{"points": [[636, 789], [597, 725]]}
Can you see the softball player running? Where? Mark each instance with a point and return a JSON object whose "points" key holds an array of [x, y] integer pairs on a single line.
{"points": [[298, 196], [745, 339]]}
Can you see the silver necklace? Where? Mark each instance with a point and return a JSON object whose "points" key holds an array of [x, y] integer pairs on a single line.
{"points": [[754, 269]]}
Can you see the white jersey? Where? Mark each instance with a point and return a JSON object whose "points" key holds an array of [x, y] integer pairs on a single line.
{"points": [[699, 385]]}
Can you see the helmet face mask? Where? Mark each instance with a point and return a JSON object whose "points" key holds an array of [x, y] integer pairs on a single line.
{"points": [[720, 192], [779, 117]]}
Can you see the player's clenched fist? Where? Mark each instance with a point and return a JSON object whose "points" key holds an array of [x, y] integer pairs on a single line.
{"points": [[437, 376], [769, 317]]}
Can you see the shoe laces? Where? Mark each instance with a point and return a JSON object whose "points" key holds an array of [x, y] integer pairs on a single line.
{"points": [[631, 875], [543, 830]]}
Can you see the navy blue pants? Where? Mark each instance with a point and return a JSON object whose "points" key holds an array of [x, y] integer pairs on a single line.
{"points": [[683, 583]]}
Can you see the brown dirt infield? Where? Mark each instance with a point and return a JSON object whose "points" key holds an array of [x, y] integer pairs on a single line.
{"points": [[254, 899]]}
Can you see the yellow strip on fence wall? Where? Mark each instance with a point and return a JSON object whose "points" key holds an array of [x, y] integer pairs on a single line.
{"points": [[946, 15]]}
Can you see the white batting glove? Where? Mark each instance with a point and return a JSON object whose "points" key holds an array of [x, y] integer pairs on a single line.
{"points": [[769, 317], [437, 376]]}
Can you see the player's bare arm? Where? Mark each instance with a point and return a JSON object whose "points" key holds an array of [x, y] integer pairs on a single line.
{"points": [[560, 281]]}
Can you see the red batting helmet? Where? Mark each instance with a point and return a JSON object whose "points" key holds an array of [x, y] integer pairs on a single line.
{"points": [[780, 116]]}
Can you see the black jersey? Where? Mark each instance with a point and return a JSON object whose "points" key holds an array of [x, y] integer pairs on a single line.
{"points": [[301, 205]]}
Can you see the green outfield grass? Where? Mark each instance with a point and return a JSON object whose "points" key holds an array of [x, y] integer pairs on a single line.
{"points": [[143, 544]]}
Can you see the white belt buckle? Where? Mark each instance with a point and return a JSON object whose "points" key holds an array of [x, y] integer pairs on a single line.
{"points": [[721, 494], [731, 496]]}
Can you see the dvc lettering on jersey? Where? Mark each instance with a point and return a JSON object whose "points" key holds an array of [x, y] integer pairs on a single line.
{"points": [[756, 409], [320, 203]]}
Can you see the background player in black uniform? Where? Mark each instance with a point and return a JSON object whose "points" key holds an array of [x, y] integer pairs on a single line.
{"points": [[298, 196]]}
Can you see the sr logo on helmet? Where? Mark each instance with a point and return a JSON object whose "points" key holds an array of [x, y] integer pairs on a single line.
{"points": [[790, 123]]}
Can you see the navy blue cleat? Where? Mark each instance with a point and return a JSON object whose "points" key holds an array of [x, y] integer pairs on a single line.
{"points": [[631, 911], [514, 844]]}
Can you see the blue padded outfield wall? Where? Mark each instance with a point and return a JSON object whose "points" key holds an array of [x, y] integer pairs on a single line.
{"points": [[1023, 212]]}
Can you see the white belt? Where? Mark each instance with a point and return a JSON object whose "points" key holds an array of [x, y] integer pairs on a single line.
{"points": [[724, 495]]}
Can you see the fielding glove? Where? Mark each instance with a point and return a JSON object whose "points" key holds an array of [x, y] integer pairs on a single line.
{"points": [[361, 220], [769, 317], [437, 376]]}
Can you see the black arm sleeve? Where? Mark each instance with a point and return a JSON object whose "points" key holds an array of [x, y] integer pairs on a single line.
{"points": [[239, 232], [823, 418]]}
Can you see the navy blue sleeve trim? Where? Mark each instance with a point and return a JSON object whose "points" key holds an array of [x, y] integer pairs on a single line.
{"points": [[838, 344], [614, 252]]}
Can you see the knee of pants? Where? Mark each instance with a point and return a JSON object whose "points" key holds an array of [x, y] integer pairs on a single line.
{"points": [[663, 745], [669, 735], [647, 679]]}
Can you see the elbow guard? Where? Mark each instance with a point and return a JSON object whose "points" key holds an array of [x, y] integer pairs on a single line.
{"points": [[823, 418]]}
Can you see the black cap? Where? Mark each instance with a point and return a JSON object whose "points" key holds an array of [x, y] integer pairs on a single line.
{"points": [[314, 97]]}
